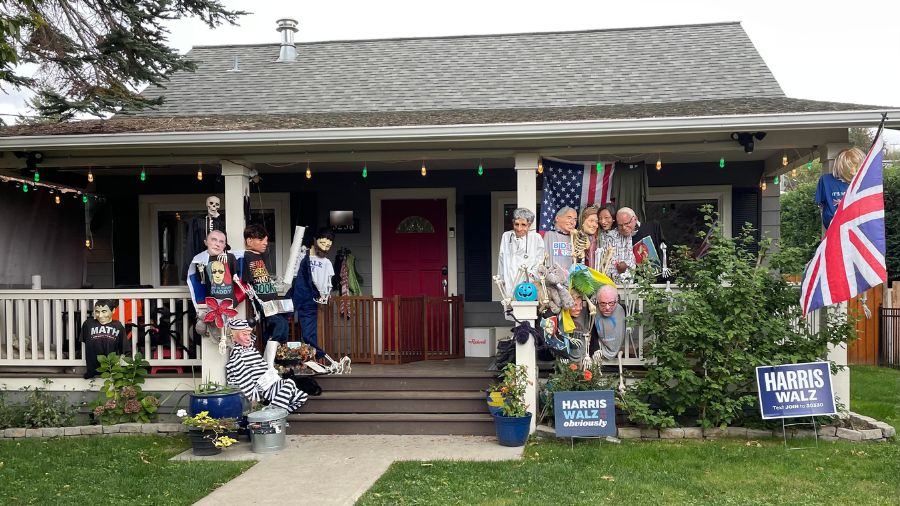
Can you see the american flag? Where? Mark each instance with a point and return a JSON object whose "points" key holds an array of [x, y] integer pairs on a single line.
{"points": [[850, 259], [573, 184]]}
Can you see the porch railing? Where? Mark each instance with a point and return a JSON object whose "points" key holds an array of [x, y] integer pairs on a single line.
{"points": [[392, 329], [41, 327]]}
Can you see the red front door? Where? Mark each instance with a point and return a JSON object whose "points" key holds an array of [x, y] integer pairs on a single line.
{"points": [[414, 247]]}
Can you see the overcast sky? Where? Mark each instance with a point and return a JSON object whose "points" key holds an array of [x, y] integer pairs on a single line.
{"points": [[845, 52]]}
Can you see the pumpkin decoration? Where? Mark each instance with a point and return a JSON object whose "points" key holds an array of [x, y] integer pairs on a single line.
{"points": [[526, 292]]}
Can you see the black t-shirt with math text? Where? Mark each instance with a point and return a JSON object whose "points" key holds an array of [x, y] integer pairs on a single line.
{"points": [[100, 339]]}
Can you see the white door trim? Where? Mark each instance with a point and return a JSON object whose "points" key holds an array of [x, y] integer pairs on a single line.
{"points": [[376, 196]]}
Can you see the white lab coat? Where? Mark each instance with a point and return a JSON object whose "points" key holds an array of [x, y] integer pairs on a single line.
{"points": [[527, 251]]}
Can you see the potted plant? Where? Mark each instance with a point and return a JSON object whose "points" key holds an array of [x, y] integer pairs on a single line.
{"points": [[208, 435], [220, 401], [512, 420]]}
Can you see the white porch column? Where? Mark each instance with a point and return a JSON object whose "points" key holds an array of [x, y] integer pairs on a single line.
{"points": [[237, 182], [526, 196], [526, 182], [840, 382], [526, 355]]}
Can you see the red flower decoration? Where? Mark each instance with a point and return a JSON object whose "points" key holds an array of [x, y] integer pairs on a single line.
{"points": [[588, 375], [218, 311], [573, 366]]}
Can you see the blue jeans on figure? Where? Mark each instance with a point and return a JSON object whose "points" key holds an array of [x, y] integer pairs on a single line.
{"points": [[277, 328]]}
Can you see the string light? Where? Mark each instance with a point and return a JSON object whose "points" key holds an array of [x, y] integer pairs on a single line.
{"points": [[722, 162], [143, 174], [56, 199], [540, 166], [365, 173], [480, 168], [762, 185], [809, 165], [599, 167], [87, 243], [308, 171], [25, 188], [424, 169], [658, 163], [199, 173], [37, 176], [90, 175], [794, 172], [784, 160], [776, 180], [84, 198]]}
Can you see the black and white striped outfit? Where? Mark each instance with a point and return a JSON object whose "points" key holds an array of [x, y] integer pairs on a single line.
{"points": [[244, 368]]}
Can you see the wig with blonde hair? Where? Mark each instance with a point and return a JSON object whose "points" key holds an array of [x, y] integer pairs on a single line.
{"points": [[847, 163]]}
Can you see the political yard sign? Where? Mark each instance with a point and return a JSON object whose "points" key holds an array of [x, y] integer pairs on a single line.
{"points": [[794, 390], [585, 414]]}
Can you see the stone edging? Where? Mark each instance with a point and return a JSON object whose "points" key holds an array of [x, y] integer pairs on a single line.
{"points": [[122, 429], [864, 429]]}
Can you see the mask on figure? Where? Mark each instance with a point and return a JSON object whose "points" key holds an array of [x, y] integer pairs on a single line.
{"points": [[323, 244], [212, 206], [218, 272], [103, 313]]}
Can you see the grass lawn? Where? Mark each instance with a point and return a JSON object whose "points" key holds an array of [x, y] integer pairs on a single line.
{"points": [[687, 472], [875, 392], [106, 470]]}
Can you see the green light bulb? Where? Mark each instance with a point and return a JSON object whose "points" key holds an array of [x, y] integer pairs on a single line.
{"points": [[599, 168], [84, 198], [809, 165], [37, 176], [143, 175], [24, 188], [776, 180], [480, 169], [722, 162], [365, 172]]}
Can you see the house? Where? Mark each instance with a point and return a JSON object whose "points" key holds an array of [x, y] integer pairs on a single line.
{"points": [[447, 131]]}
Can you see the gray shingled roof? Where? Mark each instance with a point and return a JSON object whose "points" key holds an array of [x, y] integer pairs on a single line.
{"points": [[516, 71]]}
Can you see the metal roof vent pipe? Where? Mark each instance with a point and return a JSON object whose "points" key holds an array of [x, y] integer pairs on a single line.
{"points": [[287, 27]]}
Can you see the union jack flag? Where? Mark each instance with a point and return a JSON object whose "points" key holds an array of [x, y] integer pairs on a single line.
{"points": [[573, 184], [850, 259]]}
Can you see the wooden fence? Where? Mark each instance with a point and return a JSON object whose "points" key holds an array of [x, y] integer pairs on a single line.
{"points": [[392, 330], [889, 340]]}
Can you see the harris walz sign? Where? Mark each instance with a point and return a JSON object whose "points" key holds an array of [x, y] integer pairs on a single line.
{"points": [[795, 390], [584, 414]]}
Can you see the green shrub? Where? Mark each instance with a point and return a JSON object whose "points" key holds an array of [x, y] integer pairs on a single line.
{"points": [[44, 409], [10, 414], [801, 228], [731, 314], [121, 397]]}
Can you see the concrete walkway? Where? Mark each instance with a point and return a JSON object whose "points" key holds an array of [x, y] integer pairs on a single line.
{"points": [[337, 470]]}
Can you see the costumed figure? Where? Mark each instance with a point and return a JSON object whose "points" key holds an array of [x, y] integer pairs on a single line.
{"points": [[610, 325], [558, 242], [620, 241], [199, 228], [254, 377], [584, 238], [832, 187], [521, 252], [311, 288], [101, 335], [263, 290], [212, 285]]}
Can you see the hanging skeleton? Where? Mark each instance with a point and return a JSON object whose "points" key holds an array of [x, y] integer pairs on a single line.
{"points": [[580, 244]]}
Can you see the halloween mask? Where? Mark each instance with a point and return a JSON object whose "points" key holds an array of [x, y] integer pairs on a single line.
{"points": [[323, 244], [212, 206], [103, 314]]}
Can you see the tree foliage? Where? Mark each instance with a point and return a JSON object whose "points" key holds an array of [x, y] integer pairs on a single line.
{"points": [[892, 220], [731, 314], [801, 228], [94, 56]]}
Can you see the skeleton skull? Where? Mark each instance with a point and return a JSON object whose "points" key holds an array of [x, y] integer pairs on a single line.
{"points": [[212, 206]]}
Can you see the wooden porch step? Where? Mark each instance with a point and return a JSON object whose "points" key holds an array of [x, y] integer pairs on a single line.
{"points": [[409, 401], [392, 423], [417, 382]]}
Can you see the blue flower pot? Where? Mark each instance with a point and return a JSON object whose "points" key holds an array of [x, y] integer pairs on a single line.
{"points": [[219, 405], [512, 430]]}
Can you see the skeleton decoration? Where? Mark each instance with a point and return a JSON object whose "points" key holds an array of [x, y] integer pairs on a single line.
{"points": [[213, 204], [666, 272], [580, 244]]}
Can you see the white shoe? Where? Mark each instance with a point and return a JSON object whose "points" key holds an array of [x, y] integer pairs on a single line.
{"points": [[269, 355]]}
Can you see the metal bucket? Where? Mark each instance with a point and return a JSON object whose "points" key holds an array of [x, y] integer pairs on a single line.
{"points": [[268, 430]]}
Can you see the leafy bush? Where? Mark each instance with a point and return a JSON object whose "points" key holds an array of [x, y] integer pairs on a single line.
{"points": [[571, 378], [122, 399], [512, 386], [42, 408], [731, 314], [801, 228], [10, 414]]}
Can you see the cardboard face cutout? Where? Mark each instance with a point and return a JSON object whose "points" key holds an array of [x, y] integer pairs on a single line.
{"points": [[103, 314]]}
